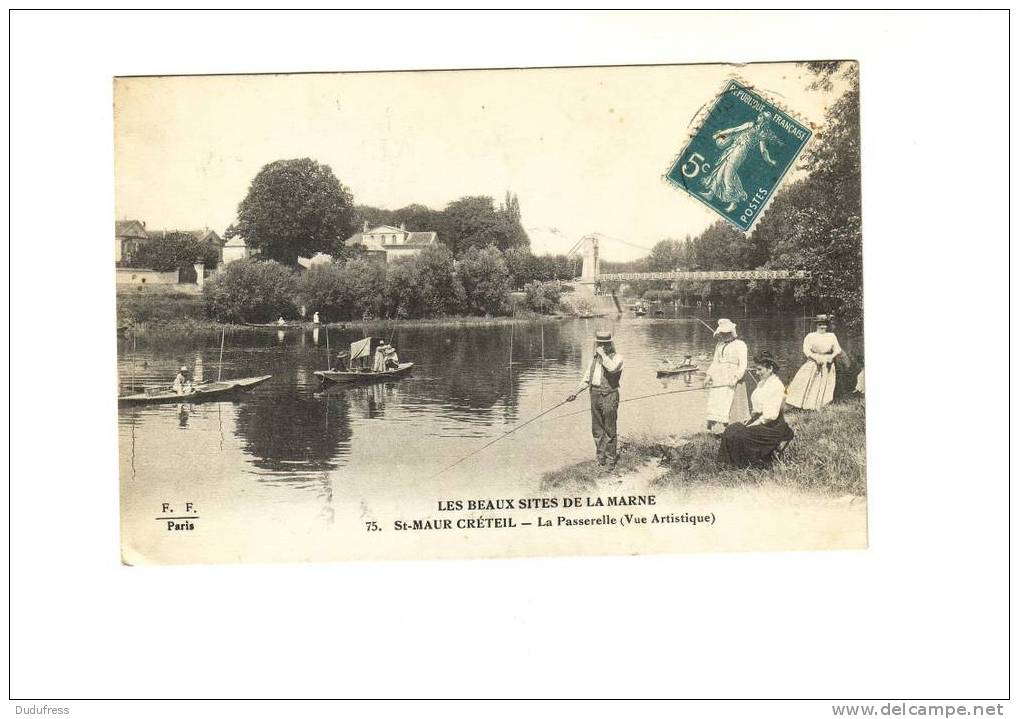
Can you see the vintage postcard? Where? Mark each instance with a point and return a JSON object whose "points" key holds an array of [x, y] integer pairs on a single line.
{"points": [[490, 313]]}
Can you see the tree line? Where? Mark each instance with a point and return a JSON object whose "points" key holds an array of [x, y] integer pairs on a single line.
{"points": [[432, 283]]}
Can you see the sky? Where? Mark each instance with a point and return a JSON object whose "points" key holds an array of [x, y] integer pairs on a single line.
{"points": [[584, 149]]}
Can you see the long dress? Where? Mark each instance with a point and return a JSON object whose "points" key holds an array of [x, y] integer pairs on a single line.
{"points": [[723, 183], [744, 446], [725, 402], [814, 384]]}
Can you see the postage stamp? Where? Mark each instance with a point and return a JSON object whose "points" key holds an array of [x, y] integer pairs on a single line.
{"points": [[738, 156]]}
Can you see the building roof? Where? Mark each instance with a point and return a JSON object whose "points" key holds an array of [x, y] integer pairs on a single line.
{"points": [[386, 229], [421, 238], [129, 228], [236, 241], [319, 258]]}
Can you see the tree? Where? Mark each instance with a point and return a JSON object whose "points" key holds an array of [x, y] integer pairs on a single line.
{"points": [[440, 288], [403, 294], [543, 297], [485, 280], [250, 291], [666, 256], [174, 251], [322, 289], [294, 207]]}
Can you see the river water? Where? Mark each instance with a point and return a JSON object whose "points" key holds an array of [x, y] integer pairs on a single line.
{"points": [[291, 456]]}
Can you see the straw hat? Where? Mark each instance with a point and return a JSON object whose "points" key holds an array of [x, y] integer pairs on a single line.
{"points": [[603, 337], [726, 326], [184, 369], [823, 319]]}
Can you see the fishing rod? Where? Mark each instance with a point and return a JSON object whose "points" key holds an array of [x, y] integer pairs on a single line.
{"points": [[634, 399], [504, 435]]}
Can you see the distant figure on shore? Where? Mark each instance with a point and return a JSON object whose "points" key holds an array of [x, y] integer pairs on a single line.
{"points": [[754, 443], [181, 383], [726, 377], [281, 321], [814, 384], [602, 377], [314, 318]]}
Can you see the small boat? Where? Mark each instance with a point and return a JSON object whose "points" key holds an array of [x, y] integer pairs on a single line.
{"points": [[348, 376], [640, 308], [669, 370], [203, 392], [370, 360]]}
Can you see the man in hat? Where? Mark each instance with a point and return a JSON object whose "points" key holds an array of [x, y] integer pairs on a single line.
{"points": [[602, 377], [181, 383]]}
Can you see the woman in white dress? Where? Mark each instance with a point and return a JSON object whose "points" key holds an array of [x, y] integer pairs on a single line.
{"points": [[814, 384], [728, 400]]}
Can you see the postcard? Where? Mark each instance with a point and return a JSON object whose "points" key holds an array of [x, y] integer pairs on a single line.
{"points": [[490, 313]]}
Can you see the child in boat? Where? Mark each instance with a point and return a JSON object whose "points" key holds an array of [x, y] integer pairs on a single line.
{"points": [[687, 361]]}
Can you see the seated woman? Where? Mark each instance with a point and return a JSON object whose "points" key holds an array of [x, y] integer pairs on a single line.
{"points": [[754, 443]]}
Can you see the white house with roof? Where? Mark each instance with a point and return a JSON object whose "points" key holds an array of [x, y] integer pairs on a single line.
{"points": [[392, 242], [235, 249]]}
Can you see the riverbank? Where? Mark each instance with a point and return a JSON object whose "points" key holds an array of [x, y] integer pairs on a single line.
{"points": [[827, 456], [170, 313]]}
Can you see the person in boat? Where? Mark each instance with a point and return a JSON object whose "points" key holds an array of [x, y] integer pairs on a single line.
{"points": [[602, 377], [342, 364], [753, 443], [181, 383], [813, 387], [281, 321], [687, 361], [392, 359], [726, 379]]}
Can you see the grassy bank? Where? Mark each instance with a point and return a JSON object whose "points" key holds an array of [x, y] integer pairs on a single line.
{"points": [[827, 456]]}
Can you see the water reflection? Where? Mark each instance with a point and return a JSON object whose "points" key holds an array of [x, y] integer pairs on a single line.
{"points": [[469, 384]]}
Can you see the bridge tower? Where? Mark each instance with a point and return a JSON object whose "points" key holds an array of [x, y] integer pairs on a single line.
{"points": [[590, 269]]}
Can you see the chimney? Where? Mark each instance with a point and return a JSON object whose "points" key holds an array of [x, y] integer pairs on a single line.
{"points": [[365, 226]]}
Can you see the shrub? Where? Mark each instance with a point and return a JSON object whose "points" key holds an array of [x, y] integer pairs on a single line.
{"points": [[251, 291], [542, 297], [321, 289], [440, 287], [402, 295], [485, 279]]}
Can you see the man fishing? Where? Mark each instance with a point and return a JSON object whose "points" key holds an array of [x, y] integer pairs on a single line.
{"points": [[181, 383], [602, 377]]}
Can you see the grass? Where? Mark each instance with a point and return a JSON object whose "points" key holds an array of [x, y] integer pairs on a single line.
{"points": [[826, 456]]}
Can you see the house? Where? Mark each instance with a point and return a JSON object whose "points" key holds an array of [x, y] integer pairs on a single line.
{"points": [[128, 236], [392, 242], [235, 249]]}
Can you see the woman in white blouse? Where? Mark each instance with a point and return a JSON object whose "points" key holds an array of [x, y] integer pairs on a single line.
{"points": [[727, 396], [754, 443], [814, 384]]}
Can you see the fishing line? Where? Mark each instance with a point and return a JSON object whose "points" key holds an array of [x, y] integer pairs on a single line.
{"points": [[634, 399], [501, 436]]}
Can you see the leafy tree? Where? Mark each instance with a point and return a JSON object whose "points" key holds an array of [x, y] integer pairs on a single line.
{"points": [[666, 256], [322, 289], [485, 280], [294, 207], [250, 291], [440, 287], [174, 251], [543, 297], [403, 293]]}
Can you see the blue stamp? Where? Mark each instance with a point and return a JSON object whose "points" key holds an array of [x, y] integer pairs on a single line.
{"points": [[739, 155]]}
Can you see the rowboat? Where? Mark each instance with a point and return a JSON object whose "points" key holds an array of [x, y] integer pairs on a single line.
{"points": [[202, 392], [350, 376], [669, 371]]}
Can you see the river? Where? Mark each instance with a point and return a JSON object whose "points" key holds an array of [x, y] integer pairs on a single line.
{"points": [[289, 456]]}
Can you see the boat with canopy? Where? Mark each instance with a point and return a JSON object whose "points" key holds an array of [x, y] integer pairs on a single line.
{"points": [[370, 359]]}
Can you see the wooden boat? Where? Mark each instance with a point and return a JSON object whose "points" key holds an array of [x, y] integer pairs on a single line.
{"points": [[203, 392], [672, 370], [351, 376]]}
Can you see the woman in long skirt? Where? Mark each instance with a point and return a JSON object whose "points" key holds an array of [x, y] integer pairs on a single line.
{"points": [[726, 377], [814, 384], [754, 443]]}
